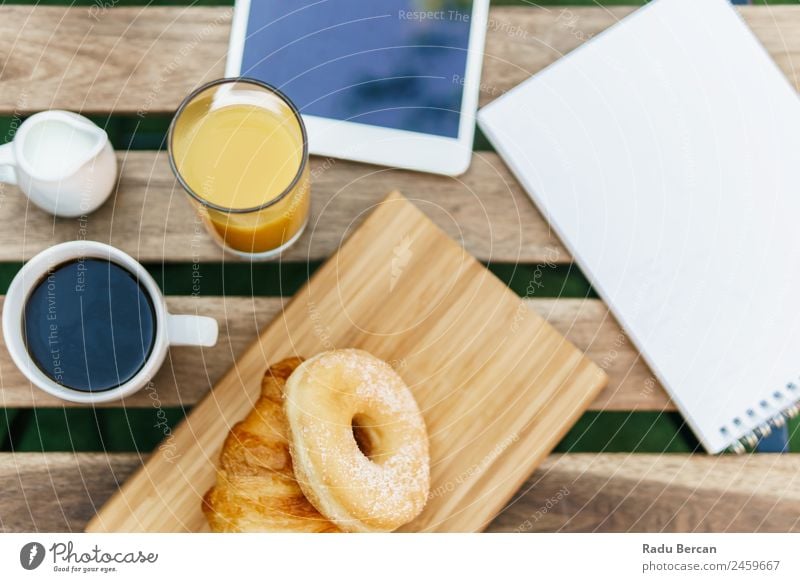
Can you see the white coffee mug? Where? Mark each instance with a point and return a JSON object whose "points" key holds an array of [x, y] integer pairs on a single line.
{"points": [[61, 161], [170, 330]]}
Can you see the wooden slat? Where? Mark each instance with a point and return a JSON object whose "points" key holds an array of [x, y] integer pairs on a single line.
{"points": [[576, 492], [658, 493], [151, 218], [125, 60], [147, 59], [57, 492], [189, 373]]}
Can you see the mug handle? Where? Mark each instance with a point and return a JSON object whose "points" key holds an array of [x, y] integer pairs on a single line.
{"points": [[8, 173], [192, 330]]}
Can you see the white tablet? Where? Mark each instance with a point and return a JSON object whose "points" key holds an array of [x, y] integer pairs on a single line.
{"points": [[391, 82]]}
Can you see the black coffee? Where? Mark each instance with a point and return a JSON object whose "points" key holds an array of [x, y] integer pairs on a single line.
{"points": [[89, 325]]}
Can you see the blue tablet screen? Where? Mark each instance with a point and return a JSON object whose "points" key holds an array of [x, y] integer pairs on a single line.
{"points": [[391, 63]]}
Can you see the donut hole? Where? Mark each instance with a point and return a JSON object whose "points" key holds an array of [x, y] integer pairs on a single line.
{"points": [[366, 435]]}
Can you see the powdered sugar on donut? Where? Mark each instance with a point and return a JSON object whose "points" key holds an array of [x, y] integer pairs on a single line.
{"points": [[378, 383], [359, 493], [399, 482]]}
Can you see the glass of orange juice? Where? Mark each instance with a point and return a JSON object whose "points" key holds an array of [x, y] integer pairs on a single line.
{"points": [[239, 148]]}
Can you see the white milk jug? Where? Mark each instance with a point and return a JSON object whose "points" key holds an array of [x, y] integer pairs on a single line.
{"points": [[62, 161]]}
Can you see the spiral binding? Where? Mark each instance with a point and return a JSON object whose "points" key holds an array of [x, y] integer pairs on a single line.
{"points": [[751, 439]]}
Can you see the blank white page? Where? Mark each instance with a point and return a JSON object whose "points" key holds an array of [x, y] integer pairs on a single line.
{"points": [[665, 153]]}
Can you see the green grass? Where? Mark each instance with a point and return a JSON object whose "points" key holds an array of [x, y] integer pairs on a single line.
{"points": [[118, 429], [140, 430], [273, 279]]}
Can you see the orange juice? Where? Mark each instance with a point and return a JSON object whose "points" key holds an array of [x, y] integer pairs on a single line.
{"points": [[243, 154]]}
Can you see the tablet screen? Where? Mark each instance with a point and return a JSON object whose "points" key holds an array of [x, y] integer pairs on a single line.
{"points": [[391, 63]]}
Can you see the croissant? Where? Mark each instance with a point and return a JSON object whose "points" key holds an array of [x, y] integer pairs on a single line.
{"points": [[256, 490]]}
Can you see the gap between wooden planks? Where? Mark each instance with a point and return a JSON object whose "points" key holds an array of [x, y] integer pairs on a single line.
{"points": [[581, 492], [189, 373]]}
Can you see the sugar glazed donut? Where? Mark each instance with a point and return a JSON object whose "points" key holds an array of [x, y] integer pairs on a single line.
{"points": [[358, 441]]}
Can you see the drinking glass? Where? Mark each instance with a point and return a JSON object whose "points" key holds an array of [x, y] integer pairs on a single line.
{"points": [[240, 150]]}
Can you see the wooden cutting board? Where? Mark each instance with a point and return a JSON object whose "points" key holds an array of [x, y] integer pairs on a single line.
{"points": [[497, 385]]}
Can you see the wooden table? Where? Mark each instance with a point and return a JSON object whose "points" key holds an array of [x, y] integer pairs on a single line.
{"points": [[142, 61]]}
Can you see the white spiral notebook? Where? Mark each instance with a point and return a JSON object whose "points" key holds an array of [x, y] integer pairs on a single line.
{"points": [[665, 153]]}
